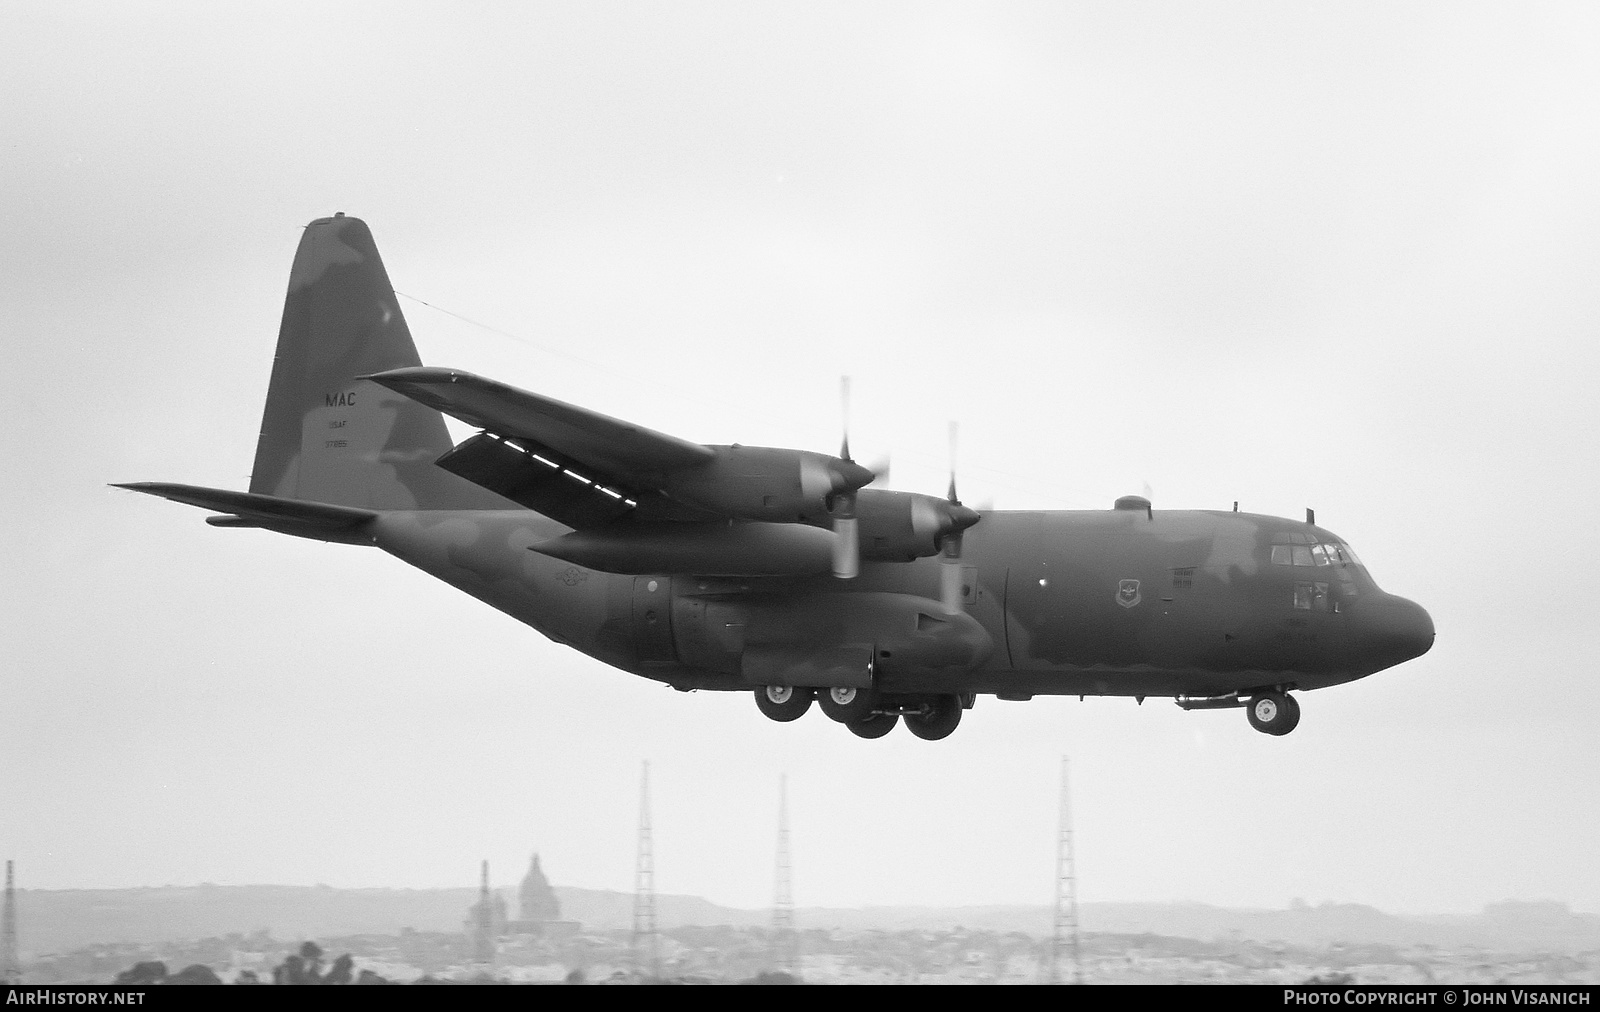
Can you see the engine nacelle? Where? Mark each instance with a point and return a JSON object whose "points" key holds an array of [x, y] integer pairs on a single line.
{"points": [[901, 526], [766, 483]]}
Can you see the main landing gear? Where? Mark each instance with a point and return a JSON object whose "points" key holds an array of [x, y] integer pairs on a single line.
{"points": [[848, 705], [936, 719], [783, 702], [866, 712], [1273, 713]]}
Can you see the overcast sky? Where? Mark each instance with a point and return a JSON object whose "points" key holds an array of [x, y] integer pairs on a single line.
{"points": [[1332, 255]]}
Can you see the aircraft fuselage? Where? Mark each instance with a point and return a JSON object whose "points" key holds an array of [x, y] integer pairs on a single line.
{"points": [[1114, 602]]}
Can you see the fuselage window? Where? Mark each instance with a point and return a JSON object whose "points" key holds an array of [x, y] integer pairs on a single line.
{"points": [[1311, 597]]}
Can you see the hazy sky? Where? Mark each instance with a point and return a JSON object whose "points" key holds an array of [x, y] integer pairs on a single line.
{"points": [[1331, 255]]}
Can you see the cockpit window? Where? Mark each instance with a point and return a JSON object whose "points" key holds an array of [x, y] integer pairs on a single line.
{"points": [[1331, 554]]}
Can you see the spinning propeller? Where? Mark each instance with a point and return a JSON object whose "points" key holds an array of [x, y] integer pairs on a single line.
{"points": [[847, 537], [957, 519], [934, 522]]}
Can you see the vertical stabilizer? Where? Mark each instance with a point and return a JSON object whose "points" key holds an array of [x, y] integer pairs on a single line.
{"points": [[327, 436]]}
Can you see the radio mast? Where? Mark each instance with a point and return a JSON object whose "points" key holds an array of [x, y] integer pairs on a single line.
{"points": [[646, 943], [785, 943], [10, 968], [1066, 928]]}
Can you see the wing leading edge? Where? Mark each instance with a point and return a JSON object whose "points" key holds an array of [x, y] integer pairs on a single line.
{"points": [[599, 442]]}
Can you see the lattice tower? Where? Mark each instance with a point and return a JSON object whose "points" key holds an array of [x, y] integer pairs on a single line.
{"points": [[483, 921], [10, 968], [646, 942], [785, 941], [1064, 943]]}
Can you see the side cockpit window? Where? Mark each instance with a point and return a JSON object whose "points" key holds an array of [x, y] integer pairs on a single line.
{"points": [[1313, 597]]}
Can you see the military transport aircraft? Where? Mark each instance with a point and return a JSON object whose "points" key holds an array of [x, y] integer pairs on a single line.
{"points": [[779, 572]]}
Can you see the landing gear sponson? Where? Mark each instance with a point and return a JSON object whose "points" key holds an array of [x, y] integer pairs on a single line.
{"points": [[867, 712], [1269, 710], [871, 714]]}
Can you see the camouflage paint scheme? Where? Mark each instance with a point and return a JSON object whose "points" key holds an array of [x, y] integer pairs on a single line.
{"points": [[1216, 608]]}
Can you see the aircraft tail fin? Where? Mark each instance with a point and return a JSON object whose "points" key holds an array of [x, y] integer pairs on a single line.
{"points": [[327, 436]]}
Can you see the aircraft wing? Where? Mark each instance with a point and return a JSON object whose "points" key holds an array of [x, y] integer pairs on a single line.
{"points": [[598, 441], [576, 466]]}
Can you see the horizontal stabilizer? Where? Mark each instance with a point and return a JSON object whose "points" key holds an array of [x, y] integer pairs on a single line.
{"points": [[289, 516], [599, 441]]}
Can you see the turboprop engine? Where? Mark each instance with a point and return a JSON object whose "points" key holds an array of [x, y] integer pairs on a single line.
{"points": [[901, 526], [766, 483]]}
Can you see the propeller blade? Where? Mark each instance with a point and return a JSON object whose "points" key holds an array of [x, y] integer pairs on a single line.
{"points": [[846, 549], [960, 518], [926, 520], [879, 468], [816, 478], [950, 591], [846, 538], [844, 413], [952, 494]]}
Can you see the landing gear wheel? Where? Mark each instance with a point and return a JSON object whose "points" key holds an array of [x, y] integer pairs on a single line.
{"points": [[846, 704], [938, 720], [875, 726], [1273, 713], [783, 702]]}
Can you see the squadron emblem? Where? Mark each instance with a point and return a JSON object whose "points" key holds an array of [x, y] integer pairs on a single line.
{"points": [[1128, 593]]}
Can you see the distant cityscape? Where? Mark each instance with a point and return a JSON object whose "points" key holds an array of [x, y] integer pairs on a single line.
{"points": [[318, 935], [567, 935]]}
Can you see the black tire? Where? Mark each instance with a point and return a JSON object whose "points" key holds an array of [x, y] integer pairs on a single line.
{"points": [[847, 705], [938, 721], [1275, 713], [875, 726], [784, 702]]}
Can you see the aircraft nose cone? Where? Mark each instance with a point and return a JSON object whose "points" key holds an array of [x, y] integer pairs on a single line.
{"points": [[1394, 629]]}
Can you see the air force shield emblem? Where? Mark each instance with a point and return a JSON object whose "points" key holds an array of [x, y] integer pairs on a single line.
{"points": [[1128, 593]]}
